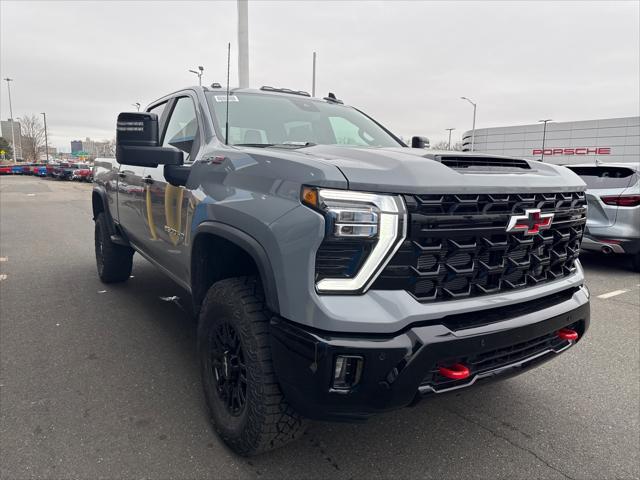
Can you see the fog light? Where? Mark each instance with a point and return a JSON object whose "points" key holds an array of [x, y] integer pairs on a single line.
{"points": [[347, 372]]}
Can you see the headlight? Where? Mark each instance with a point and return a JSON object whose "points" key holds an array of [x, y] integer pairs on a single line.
{"points": [[362, 232]]}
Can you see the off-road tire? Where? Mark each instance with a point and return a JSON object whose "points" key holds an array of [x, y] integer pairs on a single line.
{"points": [[114, 261], [267, 421]]}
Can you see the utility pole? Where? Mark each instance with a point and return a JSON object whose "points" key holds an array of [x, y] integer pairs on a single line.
{"points": [[13, 135], [449, 129], [46, 137], [544, 134], [199, 73], [473, 131], [243, 44], [313, 81]]}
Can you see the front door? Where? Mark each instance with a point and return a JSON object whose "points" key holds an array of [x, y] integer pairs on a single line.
{"points": [[169, 207]]}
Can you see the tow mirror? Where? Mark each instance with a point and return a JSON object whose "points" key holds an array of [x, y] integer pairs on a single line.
{"points": [[419, 142], [137, 142]]}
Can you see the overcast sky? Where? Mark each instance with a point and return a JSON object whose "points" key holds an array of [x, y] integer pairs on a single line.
{"points": [[406, 64]]}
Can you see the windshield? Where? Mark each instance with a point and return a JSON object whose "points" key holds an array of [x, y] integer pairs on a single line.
{"points": [[265, 120]]}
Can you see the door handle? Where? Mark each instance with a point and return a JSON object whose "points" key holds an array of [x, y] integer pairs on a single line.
{"points": [[148, 179], [122, 174]]}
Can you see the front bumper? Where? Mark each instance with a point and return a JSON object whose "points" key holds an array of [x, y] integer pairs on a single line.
{"points": [[399, 369]]}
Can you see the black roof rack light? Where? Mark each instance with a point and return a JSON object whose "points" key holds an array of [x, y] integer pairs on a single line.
{"points": [[332, 98], [266, 88]]}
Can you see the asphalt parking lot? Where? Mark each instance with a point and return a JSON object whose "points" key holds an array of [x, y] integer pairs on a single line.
{"points": [[102, 381]]}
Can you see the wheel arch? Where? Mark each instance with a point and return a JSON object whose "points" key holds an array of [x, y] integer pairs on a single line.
{"points": [[232, 241], [100, 205]]}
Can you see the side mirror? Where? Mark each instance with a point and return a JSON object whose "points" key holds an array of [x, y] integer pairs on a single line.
{"points": [[419, 142], [137, 142]]}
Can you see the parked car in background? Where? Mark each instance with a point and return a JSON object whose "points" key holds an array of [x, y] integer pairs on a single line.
{"points": [[17, 169], [65, 172], [613, 198], [39, 170], [82, 174], [51, 167], [5, 169]]}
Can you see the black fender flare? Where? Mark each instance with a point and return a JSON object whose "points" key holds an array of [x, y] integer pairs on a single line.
{"points": [[254, 249], [102, 194]]}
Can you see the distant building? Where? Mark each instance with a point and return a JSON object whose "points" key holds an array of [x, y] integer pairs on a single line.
{"points": [[92, 148], [5, 128], [42, 155], [586, 141], [76, 146]]}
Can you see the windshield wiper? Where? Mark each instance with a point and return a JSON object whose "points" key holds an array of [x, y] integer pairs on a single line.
{"points": [[259, 145], [277, 145]]}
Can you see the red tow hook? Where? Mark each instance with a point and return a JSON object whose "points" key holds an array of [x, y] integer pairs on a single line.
{"points": [[455, 372], [567, 334]]}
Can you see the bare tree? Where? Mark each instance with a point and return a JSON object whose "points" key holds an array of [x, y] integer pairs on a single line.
{"points": [[444, 145], [32, 137]]}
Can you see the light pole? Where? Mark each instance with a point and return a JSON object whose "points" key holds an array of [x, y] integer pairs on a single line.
{"points": [[13, 135], [199, 74], [137, 105], [544, 134], [313, 81], [449, 129], [46, 137], [473, 130], [243, 43]]}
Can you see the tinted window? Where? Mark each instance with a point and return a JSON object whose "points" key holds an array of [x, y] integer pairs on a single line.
{"points": [[605, 177], [289, 120], [182, 128]]}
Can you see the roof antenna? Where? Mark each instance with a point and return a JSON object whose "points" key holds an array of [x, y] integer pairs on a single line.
{"points": [[226, 128]]}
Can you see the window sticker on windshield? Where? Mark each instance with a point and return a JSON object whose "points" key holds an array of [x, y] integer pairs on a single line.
{"points": [[223, 98]]}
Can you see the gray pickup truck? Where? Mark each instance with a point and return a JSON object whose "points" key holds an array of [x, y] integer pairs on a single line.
{"points": [[335, 272]]}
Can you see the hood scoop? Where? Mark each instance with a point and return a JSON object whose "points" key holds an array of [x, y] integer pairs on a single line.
{"points": [[482, 163]]}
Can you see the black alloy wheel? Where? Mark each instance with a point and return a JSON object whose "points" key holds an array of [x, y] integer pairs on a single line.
{"points": [[229, 369]]}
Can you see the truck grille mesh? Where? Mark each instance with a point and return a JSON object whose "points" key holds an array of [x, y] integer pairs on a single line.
{"points": [[458, 247]]}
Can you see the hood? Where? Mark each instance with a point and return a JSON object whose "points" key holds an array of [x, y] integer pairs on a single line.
{"points": [[408, 170]]}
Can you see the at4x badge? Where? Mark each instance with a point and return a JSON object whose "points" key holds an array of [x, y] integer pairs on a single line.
{"points": [[531, 222]]}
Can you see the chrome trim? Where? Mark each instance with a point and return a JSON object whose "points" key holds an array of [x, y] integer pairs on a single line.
{"points": [[428, 388]]}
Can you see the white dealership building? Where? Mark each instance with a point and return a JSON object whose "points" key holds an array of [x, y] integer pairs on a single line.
{"points": [[585, 141]]}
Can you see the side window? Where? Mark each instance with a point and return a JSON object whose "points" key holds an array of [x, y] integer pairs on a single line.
{"points": [[158, 109], [182, 128], [347, 133]]}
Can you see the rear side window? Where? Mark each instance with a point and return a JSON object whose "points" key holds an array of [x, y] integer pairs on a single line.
{"points": [[605, 177]]}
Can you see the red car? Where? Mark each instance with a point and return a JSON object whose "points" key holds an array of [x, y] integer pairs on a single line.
{"points": [[5, 169], [82, 174]]}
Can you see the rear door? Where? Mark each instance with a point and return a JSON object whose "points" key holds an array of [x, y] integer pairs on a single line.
{"points": [[603, 181]]}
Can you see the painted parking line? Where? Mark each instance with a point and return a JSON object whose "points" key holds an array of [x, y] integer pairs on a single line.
{"points": [[3, 277], [4, 259], [612, 294]]}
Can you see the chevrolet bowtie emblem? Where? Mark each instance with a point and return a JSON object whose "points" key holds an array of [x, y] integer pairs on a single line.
{"points": [[531, 222]]}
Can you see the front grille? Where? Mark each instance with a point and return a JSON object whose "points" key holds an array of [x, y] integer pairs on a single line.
{"points": [[494, 359], [457, 246]]}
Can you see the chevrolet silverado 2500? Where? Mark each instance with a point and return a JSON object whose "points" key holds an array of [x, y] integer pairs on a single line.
{"points": [[335, 272]]}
